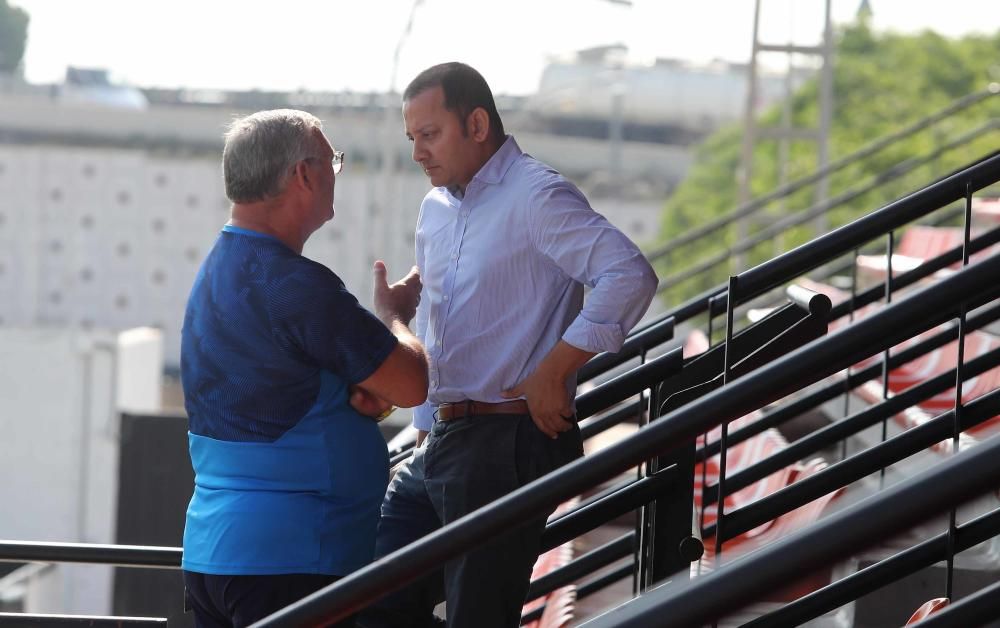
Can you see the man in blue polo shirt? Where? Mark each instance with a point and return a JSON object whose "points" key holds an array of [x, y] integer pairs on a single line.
{"points": [[281, 367]]}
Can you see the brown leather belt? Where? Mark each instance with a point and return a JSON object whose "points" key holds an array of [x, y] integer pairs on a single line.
{"points": [[462, 409]]}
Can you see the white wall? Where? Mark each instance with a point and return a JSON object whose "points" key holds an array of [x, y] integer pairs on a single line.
{"points": [[59, 449]]}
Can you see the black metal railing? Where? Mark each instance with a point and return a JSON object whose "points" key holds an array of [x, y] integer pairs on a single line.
{"points": [[740, 582], [753, 206], [778, 368], [802, 367], [717, 227], [37, 620]]}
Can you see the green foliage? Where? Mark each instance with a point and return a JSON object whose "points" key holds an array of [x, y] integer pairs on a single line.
{"points": [[13, 36], [882, 83]]}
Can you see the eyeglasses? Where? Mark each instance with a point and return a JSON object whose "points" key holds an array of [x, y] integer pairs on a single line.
{"points": [[337, 161]]}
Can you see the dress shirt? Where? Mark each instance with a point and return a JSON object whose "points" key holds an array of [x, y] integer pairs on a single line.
{"points": [[503, 271]]}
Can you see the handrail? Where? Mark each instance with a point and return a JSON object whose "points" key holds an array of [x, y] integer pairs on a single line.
{"points": [[699, 304], [635, 344], [717, 296], [587, 564], [595, 425], [835, 432], [978, 609], [590, 515], [120, 555], [750, 207], [853, 380], [856, 467], [802, 367], [802, 217], [639, 378], [810, 255], [586, 589], [597, 510], [874, 577], [924, 270], [29, 620], [948, 484]]}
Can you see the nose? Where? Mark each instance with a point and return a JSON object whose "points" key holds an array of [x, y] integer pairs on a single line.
{"points": [[419, 152]]}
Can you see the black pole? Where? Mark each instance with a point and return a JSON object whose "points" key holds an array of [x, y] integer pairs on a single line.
{"points": [[802, 367], [881, 516]]}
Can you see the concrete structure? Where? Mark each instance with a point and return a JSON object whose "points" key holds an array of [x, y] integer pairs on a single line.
{"points": [[106, 213], [61, 392]]}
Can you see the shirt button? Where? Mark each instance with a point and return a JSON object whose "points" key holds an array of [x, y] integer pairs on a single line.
{"points": [[454, 256], [446, 297]]}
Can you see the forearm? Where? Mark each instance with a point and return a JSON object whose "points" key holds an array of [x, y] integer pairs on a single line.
{"points": [[412, 349], [407, 338], [401, 379], [562, 362]]}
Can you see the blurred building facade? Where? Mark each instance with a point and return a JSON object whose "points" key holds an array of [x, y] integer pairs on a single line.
{"points": [[110, 197]]}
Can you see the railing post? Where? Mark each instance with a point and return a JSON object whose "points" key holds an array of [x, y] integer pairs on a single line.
{"points": [[847, 371], [959, 378], [720, 512], [673, 547], [890, 245]]}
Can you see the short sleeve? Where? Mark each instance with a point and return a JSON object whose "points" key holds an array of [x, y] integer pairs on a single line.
{"points": [[314, 315]]}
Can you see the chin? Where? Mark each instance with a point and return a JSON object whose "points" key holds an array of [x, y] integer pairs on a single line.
{"points": [[437, 180]]}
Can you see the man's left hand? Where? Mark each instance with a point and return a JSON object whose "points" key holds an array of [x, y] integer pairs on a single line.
{"points": [[548, 402], [367, 404]]}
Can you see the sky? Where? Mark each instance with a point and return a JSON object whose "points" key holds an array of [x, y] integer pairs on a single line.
{"points": [[336, 45]]}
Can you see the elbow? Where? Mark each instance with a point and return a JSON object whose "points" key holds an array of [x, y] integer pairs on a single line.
{"points": [[648, 283], [414, 392], [417, 393]]}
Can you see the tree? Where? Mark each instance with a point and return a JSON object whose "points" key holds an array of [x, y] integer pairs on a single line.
{"points": [[882, 83], [13, 36]]}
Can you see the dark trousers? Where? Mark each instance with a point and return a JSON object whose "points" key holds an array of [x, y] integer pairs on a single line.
{"points": [[235, 601], [466, 464]]}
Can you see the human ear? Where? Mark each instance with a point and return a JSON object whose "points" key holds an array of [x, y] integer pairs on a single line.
{"points": [[301, 175], [479, 124]]}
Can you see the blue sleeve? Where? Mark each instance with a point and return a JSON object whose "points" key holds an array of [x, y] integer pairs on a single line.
{"points": [[321, 321]]}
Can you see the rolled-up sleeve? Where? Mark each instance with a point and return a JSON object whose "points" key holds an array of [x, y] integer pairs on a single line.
{"points": [[594, 252]]}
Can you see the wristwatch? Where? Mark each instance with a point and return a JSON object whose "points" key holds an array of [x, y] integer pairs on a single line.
{"points": [[385, 414]]}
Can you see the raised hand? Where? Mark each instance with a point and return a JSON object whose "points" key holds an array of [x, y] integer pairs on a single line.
{"points": [[398, 300]]}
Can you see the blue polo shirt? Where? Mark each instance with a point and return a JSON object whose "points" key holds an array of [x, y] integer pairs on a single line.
{"points": [[288, 477]]}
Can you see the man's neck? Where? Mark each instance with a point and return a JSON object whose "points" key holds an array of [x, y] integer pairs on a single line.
{"points": [[266, 218], [458, 191]]}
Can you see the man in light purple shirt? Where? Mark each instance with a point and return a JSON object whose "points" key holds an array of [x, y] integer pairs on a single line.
{"points": [[505, 246]]}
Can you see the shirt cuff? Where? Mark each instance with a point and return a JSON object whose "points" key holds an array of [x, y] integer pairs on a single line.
{"points": [[423, 416], [594, 337]]}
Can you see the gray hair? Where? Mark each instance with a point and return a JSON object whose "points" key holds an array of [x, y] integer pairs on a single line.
{"points": [[261, 150]]}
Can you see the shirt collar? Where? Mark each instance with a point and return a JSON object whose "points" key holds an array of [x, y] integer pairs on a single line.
{"points": [[493, 171], [495, 168]]}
